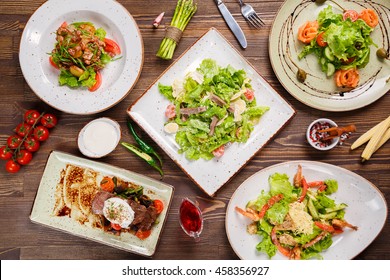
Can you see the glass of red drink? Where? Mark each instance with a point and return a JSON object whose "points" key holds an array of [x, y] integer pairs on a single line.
{"points": [[191, 219]]}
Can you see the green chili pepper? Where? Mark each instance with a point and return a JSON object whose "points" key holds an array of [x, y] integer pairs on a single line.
{"points": [[143, 155], [144, 147]]}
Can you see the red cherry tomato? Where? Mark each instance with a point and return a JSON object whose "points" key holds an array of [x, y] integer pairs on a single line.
{"points": [[143, 234], [249, 95], [52, 63], [49, 120], [116, 226], [24, 157], [351, 14], [112, 47], [159, 205], [41, 133], [5, 153], [23, 129], [31, 144], [12, 167], [98, 82], [14, 141], [218, 152], [320, 40], [31, 116]]}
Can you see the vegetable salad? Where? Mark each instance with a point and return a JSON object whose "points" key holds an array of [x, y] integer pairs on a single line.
{"points": [[210, 108], [341, 42], [298, 219], [80, 52]]}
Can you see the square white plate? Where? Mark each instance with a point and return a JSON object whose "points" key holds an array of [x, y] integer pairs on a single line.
{"points": [[42, 212], [148, 112]]}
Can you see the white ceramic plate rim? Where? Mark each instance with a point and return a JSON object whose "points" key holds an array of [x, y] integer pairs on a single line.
{"points": [[119, 76], [211, 175], [44, 203], [369, 90], [325, 170]]}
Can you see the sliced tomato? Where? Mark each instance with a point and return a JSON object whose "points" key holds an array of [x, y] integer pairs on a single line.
{"points": [[116, 226], [112, 47], [52, 63], [320, 40], [143, 234], [351, 14], [249, 95], [348, 61], [107, 184], [218, 152], [64, 24], [98, 82], [159, 205], [315, 184]]}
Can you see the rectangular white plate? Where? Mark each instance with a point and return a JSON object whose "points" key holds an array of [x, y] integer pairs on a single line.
{"points": [[148, 112], [42, 212]]}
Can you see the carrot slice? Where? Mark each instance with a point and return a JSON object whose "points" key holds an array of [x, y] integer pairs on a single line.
{"points": [[347, 78], [308, 31], [370, 17]]}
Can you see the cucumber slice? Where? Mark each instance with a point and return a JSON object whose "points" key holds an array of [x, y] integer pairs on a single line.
{"points": [[328, 54], [331, 70]]}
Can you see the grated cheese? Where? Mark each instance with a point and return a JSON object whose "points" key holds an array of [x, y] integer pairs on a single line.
{"points": [[303, 222]]}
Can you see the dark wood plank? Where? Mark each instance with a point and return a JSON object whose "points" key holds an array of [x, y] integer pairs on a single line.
{"points": [[21, 239]]}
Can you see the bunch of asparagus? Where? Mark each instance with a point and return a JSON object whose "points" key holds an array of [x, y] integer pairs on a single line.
{"points": [[184, 11]]}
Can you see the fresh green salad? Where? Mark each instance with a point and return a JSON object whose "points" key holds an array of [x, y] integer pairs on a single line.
{"points": [[211, 107], [80, 52], [299, 219], [340, 41]]}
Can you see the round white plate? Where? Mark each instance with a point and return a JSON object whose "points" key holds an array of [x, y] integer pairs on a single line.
{"points": [[366, 209], [318, 91], [119, 76]]}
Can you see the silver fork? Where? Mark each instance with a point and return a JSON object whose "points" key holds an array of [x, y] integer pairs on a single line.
{"points": [[250, 15]]}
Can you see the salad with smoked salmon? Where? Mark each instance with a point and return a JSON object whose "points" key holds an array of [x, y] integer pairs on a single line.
{"points": [[80, 52], [341, 43], [297, 219]]}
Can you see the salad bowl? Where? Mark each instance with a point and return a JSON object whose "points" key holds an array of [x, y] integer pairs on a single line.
{"points": [[318, 90], [118, 77]]}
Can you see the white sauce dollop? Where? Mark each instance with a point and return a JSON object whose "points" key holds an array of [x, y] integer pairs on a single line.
{"points": [[118, 211]]}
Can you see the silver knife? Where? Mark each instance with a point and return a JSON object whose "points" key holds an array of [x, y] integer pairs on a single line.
{"points": [[232, 23]]}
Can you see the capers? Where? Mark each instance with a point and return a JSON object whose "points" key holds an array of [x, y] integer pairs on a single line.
{"points": [[301, 75], [382, 53], [358, 45]]}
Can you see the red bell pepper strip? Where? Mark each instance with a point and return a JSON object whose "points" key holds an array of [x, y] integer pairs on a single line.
{"points": [[305, 186], [269, 204]]}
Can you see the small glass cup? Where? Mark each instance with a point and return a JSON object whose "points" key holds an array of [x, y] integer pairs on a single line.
{"points": [[191, 219]]}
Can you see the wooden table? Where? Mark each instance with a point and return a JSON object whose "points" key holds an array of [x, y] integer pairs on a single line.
{"points": [[20, 239]]}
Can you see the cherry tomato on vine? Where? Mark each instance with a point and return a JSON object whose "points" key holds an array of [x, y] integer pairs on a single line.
{"points": [[5, 153], [24, 157], [31, 116], [12, 167], [14, 141], [23, 129], [31, 144], [41, 133], [49, 120]]}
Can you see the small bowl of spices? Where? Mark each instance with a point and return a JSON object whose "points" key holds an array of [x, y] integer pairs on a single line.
{"points": [[318, 139]]}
